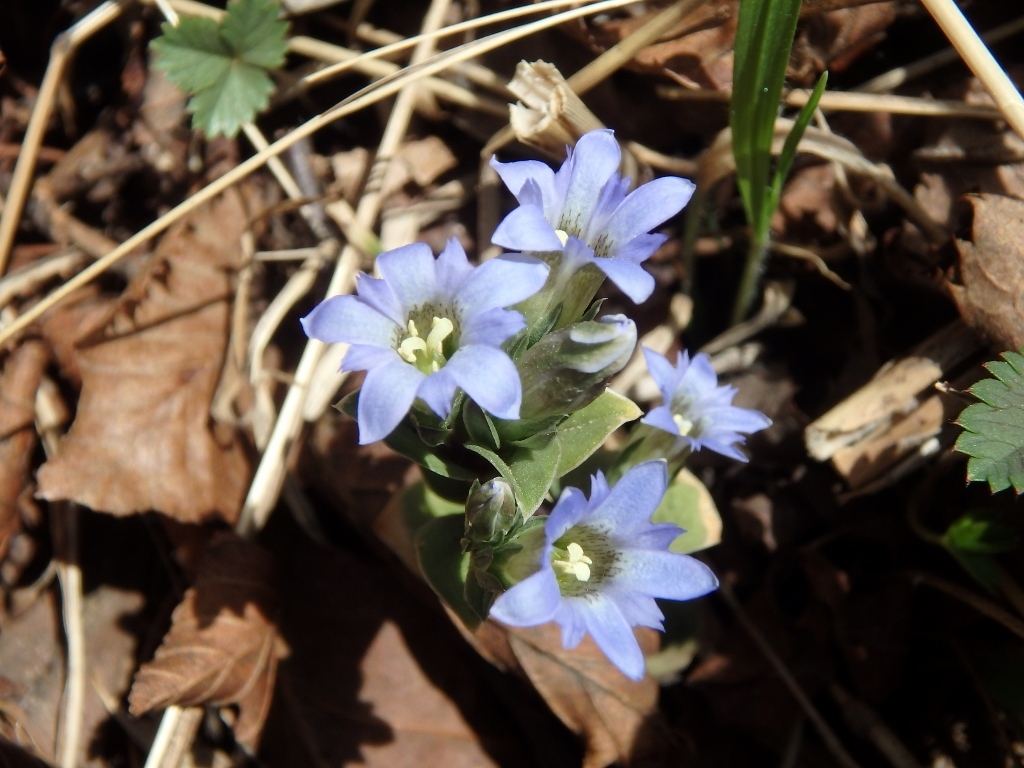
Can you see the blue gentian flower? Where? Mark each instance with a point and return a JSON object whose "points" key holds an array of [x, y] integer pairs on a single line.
{"points": [[583, 212], [428, 327], [602, 564], [698, 411]]}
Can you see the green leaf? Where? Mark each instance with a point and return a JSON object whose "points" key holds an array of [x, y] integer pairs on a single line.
{"points": [[793, 140], [994, 428], [978, 531], [586, 430], [688, 504], [224, 66], [445, 566]]}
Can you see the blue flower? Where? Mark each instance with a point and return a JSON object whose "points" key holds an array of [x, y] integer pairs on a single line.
{"points": [[428, 327], [696, 410], [603, 562], [583, 212]]}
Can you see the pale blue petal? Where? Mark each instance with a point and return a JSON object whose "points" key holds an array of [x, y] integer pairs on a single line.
{"points": [[437, 391], [516, 175], [614, 636], [648, 206], [489, 376], [376, 293], [630, 278], [386, 396], [664, 574], [663, 372], [598, 488], [453, 268], [635, 497], [593, 162], [501, 282], [492, 328], [726, 448], [363, 357], [738, 419], [526, 229], [637, 250], [576, 254], [570, 617], [637, 609], [700, 375], [346, 318], [653, 536], [612, 195], [532, 601], [661, 417], [572, 506], [410, 271]]}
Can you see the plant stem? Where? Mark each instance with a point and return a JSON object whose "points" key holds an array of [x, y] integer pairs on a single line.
{"points": [[756, 253]]}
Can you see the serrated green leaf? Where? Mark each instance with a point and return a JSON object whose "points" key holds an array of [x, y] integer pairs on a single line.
{"points": [[994, 429], [224, 66]]}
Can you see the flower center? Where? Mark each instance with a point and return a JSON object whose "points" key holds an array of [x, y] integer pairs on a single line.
{"points": [[575, 562], [426, 354], [583, 559]]}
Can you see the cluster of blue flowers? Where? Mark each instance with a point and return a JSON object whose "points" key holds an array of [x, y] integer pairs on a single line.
{"points": [[440, 338]]}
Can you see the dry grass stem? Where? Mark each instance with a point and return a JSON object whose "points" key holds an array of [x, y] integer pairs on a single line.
{"points": [[848, 101], [61, 51], [896, 77], [178, 728], [980, 60], [270, 474]]}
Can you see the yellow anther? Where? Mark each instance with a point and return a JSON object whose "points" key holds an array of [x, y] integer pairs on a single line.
{"points": [[685, 425], [562, 235], [413, 331], [440, 329], [578, 563]]}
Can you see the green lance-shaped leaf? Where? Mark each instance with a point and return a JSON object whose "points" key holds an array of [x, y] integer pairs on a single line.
{"points": [[688, 504], [993, 433], [224, 66], [445, 566]]}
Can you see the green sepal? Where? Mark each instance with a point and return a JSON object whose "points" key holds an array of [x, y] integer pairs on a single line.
{"points": [[592, 310], [530, 473], [480, 426], [405, 440], [528, 433], [544, 325]]}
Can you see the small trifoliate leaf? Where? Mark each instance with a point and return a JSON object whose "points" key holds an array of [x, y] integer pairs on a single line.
{"points": [[994, 428], [224, 66]]}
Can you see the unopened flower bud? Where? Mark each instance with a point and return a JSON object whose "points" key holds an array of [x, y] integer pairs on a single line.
{"points": [[490, 513], [569, 368]]}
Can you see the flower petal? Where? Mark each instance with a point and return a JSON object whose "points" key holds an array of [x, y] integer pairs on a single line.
{"points": [[517, 174], [501, 282], [591, 165], [532, 601], [665, 375], [376, 293], [526, 229], [489, 376], [452, 267], [364, 357], [614, 636], [386, 396], [664, 574], [635, 497], [570, 617], [661, 417], [410, 271], [437, 391], [492, 328], [637, 609], [346, 318], [571, 507], [648, 206], [632, 279]]}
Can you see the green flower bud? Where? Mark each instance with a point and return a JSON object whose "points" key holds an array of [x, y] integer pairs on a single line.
{"points": [[569, 368], [491, 512]]}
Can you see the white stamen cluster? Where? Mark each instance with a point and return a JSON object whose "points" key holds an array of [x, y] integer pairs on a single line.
{"points": [[426, 354]]}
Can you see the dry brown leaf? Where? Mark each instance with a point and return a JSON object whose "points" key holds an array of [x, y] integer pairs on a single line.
{"points": [[990, 288], [223, 647], [617, 717], [22, 373], [143, 437]]}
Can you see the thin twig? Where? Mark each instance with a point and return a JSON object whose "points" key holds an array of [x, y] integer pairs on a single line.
{"points": [[980, 60], [824, 730], [981, 604], [894, 78], [269, 477], [177, 730], [360, 100], [61, 52]]}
